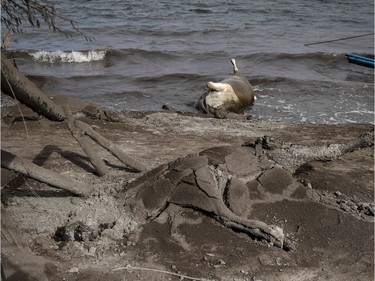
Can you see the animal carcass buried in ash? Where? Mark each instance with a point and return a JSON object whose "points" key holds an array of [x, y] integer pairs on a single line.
{"points": [[234, 94]]}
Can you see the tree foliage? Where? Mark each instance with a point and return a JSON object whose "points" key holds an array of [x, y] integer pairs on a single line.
{"points": [[15, 13]]}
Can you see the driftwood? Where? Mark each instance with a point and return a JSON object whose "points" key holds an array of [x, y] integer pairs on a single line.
{"points": [[82, 131], [26, 167], [84, 142], [292, 156], [111, 147], [17, 86]]}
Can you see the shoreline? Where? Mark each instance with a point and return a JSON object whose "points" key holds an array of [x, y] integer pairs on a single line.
{"points": [[192, 244]]}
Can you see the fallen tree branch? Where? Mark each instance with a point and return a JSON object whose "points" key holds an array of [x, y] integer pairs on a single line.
{"points": [[82, 131], [26, 167], [18, 106], [26, 92], [84, 142], [110, 146], [292, 156]]}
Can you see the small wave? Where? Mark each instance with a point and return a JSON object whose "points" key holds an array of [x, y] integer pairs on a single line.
{"points": [[127, 94], [201, 11], [172, 77], [318, 56], [146, 53], [68, 57], [41, 80], [255, 80]]}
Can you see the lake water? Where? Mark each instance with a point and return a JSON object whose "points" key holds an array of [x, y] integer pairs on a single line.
{"points": [[150, 53]]}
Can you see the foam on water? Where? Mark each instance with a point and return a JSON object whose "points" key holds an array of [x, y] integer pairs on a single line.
{"points": [[68, 57]]}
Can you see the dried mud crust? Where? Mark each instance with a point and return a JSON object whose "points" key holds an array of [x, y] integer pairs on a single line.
{"points": [[324, 208]]}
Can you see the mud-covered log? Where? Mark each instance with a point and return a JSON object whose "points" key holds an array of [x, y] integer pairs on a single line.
{"points": [[16, 85], [26, 167], [292, 156], [84, 142], [110, 146]]}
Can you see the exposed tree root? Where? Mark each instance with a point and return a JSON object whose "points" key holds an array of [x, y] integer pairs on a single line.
{"points": [[26, 167]]}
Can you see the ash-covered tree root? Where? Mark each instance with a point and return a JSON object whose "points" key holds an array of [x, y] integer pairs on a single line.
{"points": [[200, 182], [224, 183], [291, 156]]}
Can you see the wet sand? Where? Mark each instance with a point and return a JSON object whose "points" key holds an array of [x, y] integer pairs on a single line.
{"points": [[49, 233]]}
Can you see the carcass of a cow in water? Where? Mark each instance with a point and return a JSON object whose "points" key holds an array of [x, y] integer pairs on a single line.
{"points": [[228, 97]]}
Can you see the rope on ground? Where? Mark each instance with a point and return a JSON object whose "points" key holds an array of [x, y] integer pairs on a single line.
{"points": [[340, 39], [130, 268]]}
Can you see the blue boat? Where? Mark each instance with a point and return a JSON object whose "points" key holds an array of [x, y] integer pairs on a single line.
{"points": [[360, 60]]}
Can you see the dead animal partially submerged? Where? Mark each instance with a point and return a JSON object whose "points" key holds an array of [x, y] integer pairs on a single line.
{"points": [[234, 94]]}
